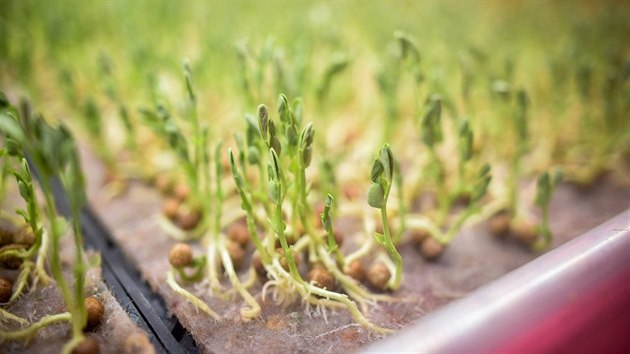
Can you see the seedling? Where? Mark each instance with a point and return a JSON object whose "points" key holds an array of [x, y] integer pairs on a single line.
{"points": [[53, 152], [286, 180], [405, 59], [382, 176], [545, 188], [338, 63]]}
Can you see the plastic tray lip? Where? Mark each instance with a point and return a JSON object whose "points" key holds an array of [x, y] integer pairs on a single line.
{"points": [[498, 313]]}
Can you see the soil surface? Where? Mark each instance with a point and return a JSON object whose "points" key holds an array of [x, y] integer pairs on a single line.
{"points": [[473, 259]]}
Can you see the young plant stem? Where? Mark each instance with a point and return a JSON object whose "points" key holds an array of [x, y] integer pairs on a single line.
{"points": [[30, 331], [391, 249], [196, 302], [55, 264]]}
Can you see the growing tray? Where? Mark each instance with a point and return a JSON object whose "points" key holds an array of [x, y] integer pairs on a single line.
{"points": [[505, 314], [573, 299]]}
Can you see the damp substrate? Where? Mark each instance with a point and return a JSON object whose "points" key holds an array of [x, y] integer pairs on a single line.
{"points": [[473, 259]]}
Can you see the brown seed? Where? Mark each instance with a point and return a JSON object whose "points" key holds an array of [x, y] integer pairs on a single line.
{"points": [[258, 265], [321, 277], [298, 231], [338, 237], [170, 208], [283, 260], [87, 346], [6, 289], [352, 191], [95, 312], [355, 270], [277, 322], [163, 183], [463, 199], [11, 261], [188, 219], [351, 136], [238, 233], [499, 223], [419, 235], [7, 230], [378, 275], [181, 191], [525, 232], [180, 255], [24, 236], [110, 176], [236, 254], [137, 343], [431, 249]]}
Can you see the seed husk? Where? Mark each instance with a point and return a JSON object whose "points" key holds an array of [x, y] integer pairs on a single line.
{"points": [[7, 230], [137, 343], [6, 289], [188, 219], [378, 275], [87, 346], [163, 183], [95, 312], [499, 223], [24, 236], [181, 191], [431, 249], [419, 235], [110, 176], [238, 233], [321, 277], [170, 208], [283, 260], [180, 255], [525, 232], [236, 254], [338, 237], [258, 265], [355, 270], [352, 191], [11, 262]]}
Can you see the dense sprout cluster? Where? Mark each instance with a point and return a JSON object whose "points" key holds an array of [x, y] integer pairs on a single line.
{"points": [[468, 123]]}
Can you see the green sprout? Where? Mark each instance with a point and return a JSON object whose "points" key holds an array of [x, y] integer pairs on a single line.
{"points": [[285, 180], [53, 153], [382, 177], [545, 188], [405, 59], [338, 63], [333, 247]]}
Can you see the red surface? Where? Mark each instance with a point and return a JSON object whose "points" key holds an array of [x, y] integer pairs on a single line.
{"points": [[593, 322]]}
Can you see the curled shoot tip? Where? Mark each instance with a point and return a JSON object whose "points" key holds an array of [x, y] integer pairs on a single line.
{"points": [[263, 121], [377, 170], [545, 187], [408, 47], [431, 128], [466, 140], [381, 176], [306, 144], [483, 181], [284, 110], [188, 79], [327, 222], [387, 159]]}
